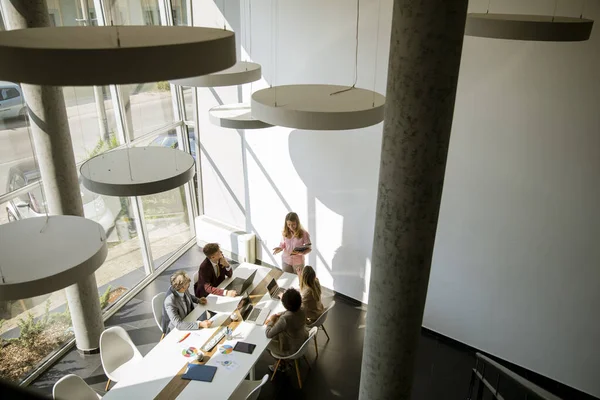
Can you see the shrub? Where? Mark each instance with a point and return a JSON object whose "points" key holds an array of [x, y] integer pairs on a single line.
{"points": [[30, 329], [163, 86], [104, 297]]}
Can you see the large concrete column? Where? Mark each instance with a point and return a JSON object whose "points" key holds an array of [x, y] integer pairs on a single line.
{"points": [[54, 152], [425, 52]]}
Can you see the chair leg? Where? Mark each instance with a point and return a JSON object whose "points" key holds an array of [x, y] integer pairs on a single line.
{"points": [[307, 363], [107, 385], [316, 347], [298, 373], [324, 330], [162, 337], [275, 369]]}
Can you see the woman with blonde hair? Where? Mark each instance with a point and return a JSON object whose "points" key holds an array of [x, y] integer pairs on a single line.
{"points": [[295, 243], [310, 289]]}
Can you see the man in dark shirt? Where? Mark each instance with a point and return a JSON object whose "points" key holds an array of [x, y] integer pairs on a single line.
{"points": [[213, 270]]}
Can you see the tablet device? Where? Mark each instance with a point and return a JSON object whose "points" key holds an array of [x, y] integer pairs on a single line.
{"points": [[197, 372], [244, 347], [301, 249], [206, 315]]}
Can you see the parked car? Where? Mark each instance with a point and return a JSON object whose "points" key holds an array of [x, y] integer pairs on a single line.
{"points": [[169, 139], [12, 104], [31, 204]]}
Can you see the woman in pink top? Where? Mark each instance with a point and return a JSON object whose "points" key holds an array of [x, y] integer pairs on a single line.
{"points": [[293, 236]]}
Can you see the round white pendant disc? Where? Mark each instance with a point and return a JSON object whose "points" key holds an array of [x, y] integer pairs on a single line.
{"points": [[103, 55], [137, 171], [235, 116], [242, 72], [544, 28], [42, 255], [318, 107]]}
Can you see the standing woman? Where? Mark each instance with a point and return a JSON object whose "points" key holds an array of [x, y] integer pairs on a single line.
{"points": [[294, 236]]}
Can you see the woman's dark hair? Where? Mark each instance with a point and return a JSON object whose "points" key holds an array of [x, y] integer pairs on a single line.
{"points": [[291, 299]]}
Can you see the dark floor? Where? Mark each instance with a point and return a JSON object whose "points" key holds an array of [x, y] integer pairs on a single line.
{"points": [[443, 371]]}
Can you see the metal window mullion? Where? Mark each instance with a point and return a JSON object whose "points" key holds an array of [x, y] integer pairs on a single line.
{"points": [[142, 229], [200, 189]]}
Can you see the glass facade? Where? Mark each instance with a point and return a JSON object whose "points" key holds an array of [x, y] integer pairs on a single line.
{"points": [[142, 232]]}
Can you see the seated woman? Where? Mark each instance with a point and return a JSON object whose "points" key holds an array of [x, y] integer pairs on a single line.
{"points": [[310, 289], [287, 330], [179, 303]]}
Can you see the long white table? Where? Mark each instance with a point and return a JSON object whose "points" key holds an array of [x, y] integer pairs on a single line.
{"points": [[150, 376]]}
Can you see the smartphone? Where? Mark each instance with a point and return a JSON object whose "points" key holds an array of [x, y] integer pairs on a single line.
{"points": [[244, 347]]}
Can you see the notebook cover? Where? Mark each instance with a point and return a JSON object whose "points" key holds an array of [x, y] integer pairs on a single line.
{"points": [[197, 372]]}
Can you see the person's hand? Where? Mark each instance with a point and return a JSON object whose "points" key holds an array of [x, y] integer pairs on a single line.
{"points": [[295, 253], [231, 293], [223, 262], [277, 250], [205, 324], [203, 300]]}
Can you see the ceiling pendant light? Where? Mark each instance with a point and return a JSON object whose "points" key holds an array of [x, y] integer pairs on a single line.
{"points": [[318, 107], [137, 171], [61, 250], [545, 28], [235, 116], [242, 72], [88, 56]]}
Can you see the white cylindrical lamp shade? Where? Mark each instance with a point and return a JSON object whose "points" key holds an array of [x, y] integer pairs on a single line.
{"points": [[235, 116], [42, 255], [544, 28], [242, 72], [137, 171], [88, 56]]}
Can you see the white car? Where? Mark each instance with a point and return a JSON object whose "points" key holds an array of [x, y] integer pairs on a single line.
{"points": [[12, 104], [31, 204]]}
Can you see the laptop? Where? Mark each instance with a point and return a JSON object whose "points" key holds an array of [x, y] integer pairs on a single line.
{"points": [[251, 313], [274, 289], [240, 284]]}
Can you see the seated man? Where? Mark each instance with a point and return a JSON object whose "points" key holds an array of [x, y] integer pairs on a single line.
{"points": [[213, 270], [179, 303]]}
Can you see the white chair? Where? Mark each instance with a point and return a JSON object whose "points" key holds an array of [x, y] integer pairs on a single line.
{"points": [[157, 309], [300, 353], [73, 387], [319, 324], [196, 277], [249, 390], [117, 353]]}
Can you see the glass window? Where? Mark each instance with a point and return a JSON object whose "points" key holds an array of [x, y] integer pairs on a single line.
{"points": [[148, 106], [188, 104], [92, 121], [168, 222]]}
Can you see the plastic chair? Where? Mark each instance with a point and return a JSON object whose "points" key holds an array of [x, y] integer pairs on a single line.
{"points": [[319, 324], [73, 387], [158, 302], [117, 353], [196, 277], [249, 390], [300, 353]]}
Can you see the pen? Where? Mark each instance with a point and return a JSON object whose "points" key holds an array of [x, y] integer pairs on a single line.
{"points": [[184, 337]]}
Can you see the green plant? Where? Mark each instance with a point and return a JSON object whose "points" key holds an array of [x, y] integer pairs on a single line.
{"points": [[104, 297], [163, 86], [30, 330], [102, 145]]}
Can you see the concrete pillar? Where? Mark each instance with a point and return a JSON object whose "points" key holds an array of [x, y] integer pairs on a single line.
{"points": [[425, 50], [54, 153]]}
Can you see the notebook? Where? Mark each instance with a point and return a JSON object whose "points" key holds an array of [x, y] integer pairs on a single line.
{"points": [[197, 372]]}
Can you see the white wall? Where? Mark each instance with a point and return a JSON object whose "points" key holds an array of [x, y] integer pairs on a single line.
{"points": [[515, 270], [253, 178], [516, 266]]}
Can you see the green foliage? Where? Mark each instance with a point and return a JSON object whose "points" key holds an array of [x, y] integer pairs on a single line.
{"points": [[104, 297], [30, 330], [102, 146], [163, 86]]}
